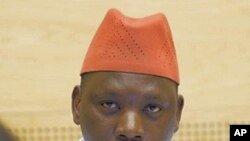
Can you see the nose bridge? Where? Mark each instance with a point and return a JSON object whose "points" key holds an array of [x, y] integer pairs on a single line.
{"points": [[131, 120], [130, 125]]}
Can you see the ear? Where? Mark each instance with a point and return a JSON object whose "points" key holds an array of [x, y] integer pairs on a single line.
{"points": [[180, 105], [75, 104]]}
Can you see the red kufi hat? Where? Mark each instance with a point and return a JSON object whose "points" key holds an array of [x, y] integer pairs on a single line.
{"points": [[125, 44]]}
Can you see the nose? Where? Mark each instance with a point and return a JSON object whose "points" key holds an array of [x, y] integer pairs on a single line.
{"points": [[129, 128]]}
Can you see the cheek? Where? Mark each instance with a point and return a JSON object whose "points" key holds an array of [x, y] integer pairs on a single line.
{"points": [[170, 126], [94, 125], [161, 128]]}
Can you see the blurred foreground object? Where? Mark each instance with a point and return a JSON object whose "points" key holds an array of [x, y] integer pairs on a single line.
{"points": [[5, 135]]}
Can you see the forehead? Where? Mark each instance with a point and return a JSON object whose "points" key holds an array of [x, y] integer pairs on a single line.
{"points": [[127, 81]]}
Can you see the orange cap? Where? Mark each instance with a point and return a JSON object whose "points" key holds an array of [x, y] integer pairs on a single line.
{"points": [[127, 44]]}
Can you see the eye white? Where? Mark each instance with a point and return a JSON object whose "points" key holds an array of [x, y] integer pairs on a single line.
{"points": [[153, 108], [110, 105]]}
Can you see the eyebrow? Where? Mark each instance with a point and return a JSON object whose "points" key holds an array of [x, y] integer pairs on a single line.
{"points": [[105, 93], [147, 97], [152, 97], [114, 94]]}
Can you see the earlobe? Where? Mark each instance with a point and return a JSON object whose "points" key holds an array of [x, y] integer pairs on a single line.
{"points": [[75, 104], [180, 105]]}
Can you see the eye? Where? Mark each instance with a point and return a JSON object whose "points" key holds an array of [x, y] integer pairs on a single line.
{"points": [[110, 105], [151, 108]]}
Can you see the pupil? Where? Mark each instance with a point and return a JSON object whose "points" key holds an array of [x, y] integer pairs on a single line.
{"points": [[110, 104], [152, 107]]}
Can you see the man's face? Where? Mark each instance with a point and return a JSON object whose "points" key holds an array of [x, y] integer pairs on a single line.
{"points": [[112, 106]]}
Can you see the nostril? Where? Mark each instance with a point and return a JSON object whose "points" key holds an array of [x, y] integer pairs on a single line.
{"points": [[122, 138], [137, 138]]}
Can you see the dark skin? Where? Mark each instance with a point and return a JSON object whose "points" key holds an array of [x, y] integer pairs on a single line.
{"points": [[116, 106]]}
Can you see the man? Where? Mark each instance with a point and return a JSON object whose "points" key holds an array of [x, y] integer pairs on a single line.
{"points": [[129, 82]]}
